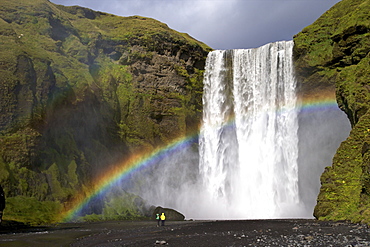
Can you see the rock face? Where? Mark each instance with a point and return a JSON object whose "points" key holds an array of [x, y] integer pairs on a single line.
{"points": [[81, 90], [334, 51]]}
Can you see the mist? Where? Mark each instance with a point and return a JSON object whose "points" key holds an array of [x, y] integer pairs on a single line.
{"points": [[321, 130], [175, 181]]}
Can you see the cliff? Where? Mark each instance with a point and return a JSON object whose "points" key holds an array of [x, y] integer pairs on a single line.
{"points": [[333, 54], [81, 90]]}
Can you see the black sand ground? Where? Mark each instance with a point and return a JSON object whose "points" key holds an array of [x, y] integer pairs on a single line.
{"points": [[290, 232]]}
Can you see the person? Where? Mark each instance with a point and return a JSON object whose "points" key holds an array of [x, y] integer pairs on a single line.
{"points": [[158, 219], [163, 218], [2, 203]]}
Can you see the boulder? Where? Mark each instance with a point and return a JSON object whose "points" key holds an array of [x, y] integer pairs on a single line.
{"points": [[170, 213]]}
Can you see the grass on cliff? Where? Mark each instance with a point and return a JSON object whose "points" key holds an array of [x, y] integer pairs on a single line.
{"points": [[133, 29], [65, 35], [345, 191], [75, 45], [31, 211], [335, 49], [316, 41]]}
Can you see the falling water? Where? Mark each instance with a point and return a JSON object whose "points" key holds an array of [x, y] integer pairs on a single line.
{"points": [[249, 143]]}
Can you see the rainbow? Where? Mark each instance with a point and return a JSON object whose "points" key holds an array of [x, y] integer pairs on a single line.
{"points": [[317, 101], [310, 106], [140, 161], [120, 172]]}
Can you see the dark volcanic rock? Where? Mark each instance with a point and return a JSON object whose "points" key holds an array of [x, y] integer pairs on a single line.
{"points": [[195, 233], [170, 214]]}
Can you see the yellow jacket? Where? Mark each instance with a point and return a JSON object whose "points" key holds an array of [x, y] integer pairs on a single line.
{"points": [[163, 217]]}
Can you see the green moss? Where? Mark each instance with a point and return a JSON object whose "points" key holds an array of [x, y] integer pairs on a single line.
{"points": [[334, 49], [351, 88], [31, 211], [317, 45], [114, 81], [121, 207], [181, 71], [72, 175], [344, 193], [4, 171], [118, 206], [85, 102], [54, 178], [91, 218]]}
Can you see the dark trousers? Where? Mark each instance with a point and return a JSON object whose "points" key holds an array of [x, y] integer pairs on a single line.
{"points": [[162, 221]]}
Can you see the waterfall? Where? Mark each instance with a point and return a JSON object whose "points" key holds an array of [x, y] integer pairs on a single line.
{"points": [[249, 144], [248, 139]]}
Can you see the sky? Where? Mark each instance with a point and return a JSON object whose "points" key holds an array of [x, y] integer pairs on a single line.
{"points": [[221, 24]]}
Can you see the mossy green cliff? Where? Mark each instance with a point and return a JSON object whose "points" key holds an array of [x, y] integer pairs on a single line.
{"points": [[81, 90], [334, 52]]}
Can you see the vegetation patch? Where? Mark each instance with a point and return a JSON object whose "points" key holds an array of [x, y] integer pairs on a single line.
{"points": [[80, 91], [334, 52]]}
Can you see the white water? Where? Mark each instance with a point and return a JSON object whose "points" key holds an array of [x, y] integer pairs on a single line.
{"points": [[249, 166]]}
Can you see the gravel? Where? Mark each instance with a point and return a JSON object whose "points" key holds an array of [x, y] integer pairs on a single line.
{"points": [[283, 232]]}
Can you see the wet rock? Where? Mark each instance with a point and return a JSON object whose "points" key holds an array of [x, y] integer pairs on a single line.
{"points": [[171, 214]]}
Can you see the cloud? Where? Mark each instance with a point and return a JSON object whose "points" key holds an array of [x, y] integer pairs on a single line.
{"points": [[222, 24]]}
